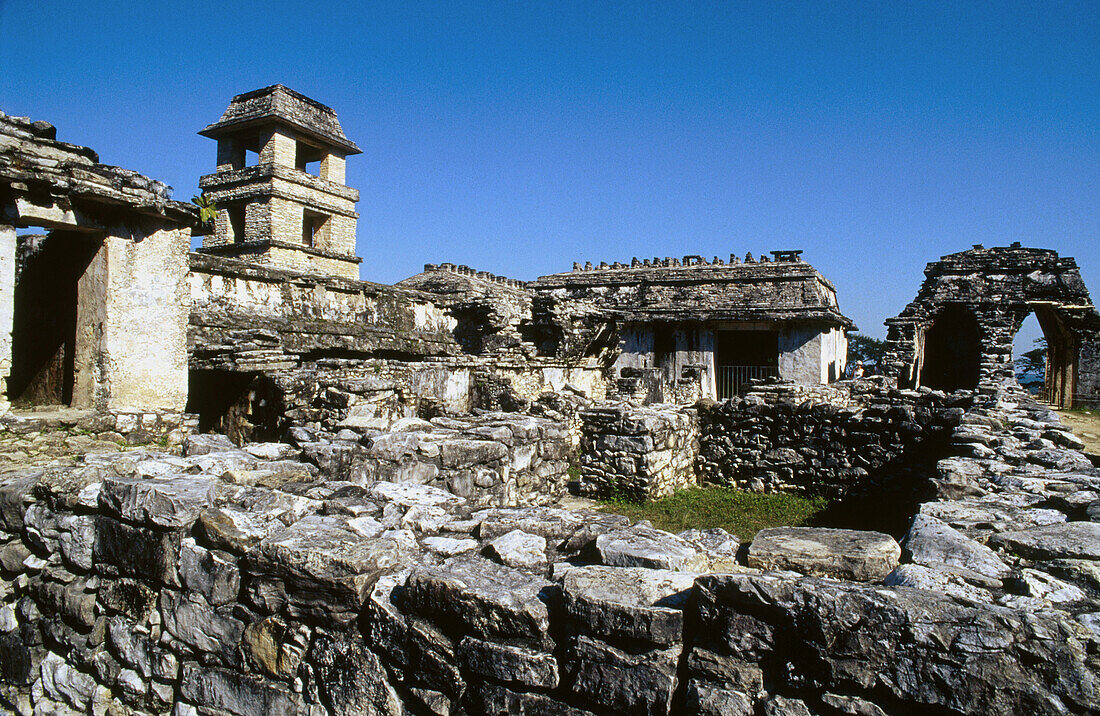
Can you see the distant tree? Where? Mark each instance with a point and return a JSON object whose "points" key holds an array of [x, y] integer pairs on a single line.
{"points": [[871, 351], [207, 210], [1031, 366]]}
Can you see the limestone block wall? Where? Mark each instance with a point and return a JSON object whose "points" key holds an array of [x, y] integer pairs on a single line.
{"points": [[637, 453], [873, 446], [492, 459], [244, 582]]}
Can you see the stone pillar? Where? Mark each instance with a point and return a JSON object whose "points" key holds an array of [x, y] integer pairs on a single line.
{"points": [[332, 167], [132, 314], [279, 148], [7, 309]]}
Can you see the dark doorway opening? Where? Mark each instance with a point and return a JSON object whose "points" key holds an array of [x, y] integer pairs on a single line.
{"points": [[952, 351], [245, 407], [741, 356], [46, 306]]}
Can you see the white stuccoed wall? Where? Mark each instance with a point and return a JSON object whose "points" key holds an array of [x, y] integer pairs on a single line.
{"points": [[132, 315]]}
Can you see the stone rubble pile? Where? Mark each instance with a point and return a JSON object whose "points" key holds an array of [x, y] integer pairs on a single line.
{"points": [[245, 581], [492, 458]]}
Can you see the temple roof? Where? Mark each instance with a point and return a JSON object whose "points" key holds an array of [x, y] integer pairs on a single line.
{"points": [[280, 104], [786, 289]]}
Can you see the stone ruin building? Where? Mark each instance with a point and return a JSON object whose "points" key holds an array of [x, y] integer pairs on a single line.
{"points": [[94, 310], [279, 489], [958, 331], [693, 328]]}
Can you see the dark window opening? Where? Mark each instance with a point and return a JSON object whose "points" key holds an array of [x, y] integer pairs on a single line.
{"points": [[236, 224], [741, 356], [952, 351], [313, 225], [664, 343]]}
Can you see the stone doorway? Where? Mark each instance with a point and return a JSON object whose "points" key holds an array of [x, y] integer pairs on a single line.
{"points": [[1060, 374], [55, 334], [952, 351], [741, 356], [245, 407]]}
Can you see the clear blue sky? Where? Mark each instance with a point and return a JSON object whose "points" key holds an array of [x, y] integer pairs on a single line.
{"points": [[517, 137]]}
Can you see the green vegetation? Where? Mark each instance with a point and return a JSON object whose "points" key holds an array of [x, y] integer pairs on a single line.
{"points": [[207, 209], [1031, 366], [741, 513], [867, 349]]}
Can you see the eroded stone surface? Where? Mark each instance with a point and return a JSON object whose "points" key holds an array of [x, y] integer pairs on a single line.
{"points": [[845, 554]]}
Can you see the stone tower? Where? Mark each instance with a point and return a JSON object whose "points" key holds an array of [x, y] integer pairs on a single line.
{"points": [[279, 186]]}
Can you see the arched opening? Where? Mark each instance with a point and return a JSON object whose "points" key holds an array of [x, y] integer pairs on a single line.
{"points": [[1029, 356], [952, 351], [1060, 370]]}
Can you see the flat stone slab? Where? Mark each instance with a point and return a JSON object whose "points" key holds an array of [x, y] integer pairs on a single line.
{"points": [[932, 543], [549, 522], [486, 599], [519, 549], [165, 502], [412, 495], [509, 664], [639, 546], [323, 564], [825, 552], [629, 602], [1069, 540]]}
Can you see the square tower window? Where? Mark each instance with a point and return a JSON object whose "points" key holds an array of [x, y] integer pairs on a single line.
{"points": [[307, 158], [314, 226]]}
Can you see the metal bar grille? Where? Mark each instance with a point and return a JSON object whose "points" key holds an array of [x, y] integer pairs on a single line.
{"points": [[728, 379]]}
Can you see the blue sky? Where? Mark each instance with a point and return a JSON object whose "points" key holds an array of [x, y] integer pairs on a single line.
{"points": [[517, 137]]}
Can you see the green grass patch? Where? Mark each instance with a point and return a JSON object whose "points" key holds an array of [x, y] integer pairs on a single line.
{"points": [[740, 513]]}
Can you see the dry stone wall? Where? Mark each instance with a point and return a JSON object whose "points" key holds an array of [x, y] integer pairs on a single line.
{"points": [[871, 445], [637, 453], [245, 581]]}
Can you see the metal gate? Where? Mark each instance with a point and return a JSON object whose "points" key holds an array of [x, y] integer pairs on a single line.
{"points": [[728, 379]]}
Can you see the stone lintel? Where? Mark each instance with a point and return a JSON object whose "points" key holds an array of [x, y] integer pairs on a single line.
{"points": [[260, 246], [266, 172]]}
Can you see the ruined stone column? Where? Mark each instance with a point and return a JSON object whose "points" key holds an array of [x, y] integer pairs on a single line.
{"points": [[132, 322], [7, 306]]}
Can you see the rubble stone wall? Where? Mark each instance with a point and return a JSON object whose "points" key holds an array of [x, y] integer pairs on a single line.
{"points": [[305, 314], [831, 441], [245, 582], [869, 446], [499, 459], [1088, 374], [637, 453]]}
